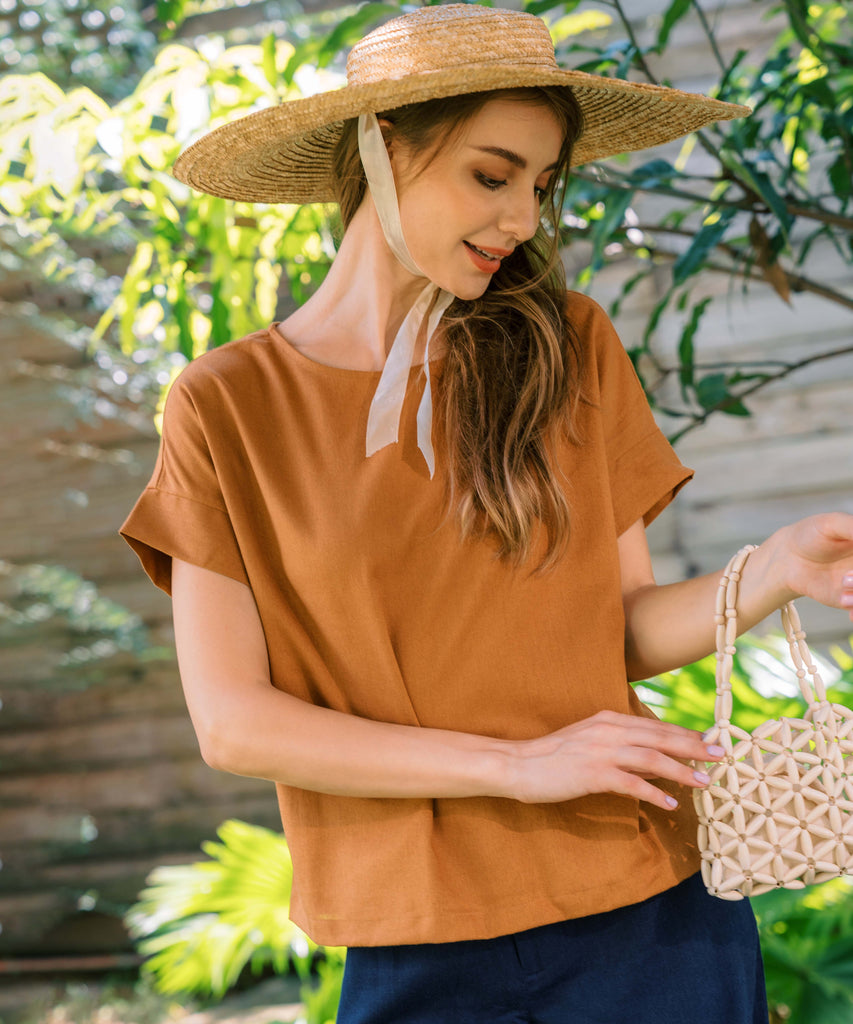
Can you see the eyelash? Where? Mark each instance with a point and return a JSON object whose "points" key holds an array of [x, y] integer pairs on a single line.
{"points": [[493, 184]]}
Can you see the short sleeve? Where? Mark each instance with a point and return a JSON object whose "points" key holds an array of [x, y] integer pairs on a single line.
{"points": [[645, 473], [182, 512]]}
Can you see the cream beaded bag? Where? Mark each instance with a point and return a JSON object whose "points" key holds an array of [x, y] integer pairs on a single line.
{"points": [[778, 812]]}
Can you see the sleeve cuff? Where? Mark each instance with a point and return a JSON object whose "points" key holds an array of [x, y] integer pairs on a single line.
{"points": [[646, 479], [163, 526]]}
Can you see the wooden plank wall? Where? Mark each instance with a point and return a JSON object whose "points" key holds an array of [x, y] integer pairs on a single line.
{"points": [[100, 777]]}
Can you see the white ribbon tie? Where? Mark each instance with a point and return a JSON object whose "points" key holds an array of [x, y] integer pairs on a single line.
{"points": [[386, 407]]}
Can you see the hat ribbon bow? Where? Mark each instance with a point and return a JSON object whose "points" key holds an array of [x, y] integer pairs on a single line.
{"points": [[386, 407]]}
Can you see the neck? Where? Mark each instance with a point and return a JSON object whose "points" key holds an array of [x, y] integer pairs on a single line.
{"points": [[355, 314]]}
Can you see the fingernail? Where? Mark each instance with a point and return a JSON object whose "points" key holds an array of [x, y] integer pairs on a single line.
{"points": [[671, 801], [702, 778], [847, 600], [715, 750], [848, 579]]}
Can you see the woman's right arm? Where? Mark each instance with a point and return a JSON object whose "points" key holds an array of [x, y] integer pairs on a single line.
{"points": [[248, 727]]}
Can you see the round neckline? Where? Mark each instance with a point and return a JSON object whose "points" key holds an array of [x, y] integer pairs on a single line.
{"points": [[306, 360]]}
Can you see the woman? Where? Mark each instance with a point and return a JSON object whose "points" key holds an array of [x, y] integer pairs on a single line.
{"points": [[404, 535]]}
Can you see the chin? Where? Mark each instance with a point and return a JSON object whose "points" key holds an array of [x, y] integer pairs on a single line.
{"points": [[469, 290]]}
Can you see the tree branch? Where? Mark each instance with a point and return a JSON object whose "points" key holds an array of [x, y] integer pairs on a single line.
{"points": [[712, 39], [824, 216], [640, 59], [699, 418], [796, 282], [617, 180], [624, 185]]}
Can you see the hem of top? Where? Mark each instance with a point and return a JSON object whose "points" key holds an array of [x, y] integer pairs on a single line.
{"points": [[511, 921]]}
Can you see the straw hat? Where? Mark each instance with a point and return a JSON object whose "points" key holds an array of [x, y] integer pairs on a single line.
{"points": [[283, 154]]}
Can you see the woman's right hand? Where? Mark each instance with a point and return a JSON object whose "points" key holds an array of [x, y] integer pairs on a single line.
{"points": [[609, 753], [248, 727]]}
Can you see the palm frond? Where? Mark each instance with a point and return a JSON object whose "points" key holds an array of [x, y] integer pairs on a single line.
{"points": [[201, 924]]}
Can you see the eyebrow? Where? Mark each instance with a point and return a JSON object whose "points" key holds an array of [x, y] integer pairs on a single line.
{"points": [[507, 154]]}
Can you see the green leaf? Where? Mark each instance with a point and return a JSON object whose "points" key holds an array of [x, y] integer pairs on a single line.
{"points": [[571, 25], [353, 28], [674, 13], [306, 52], [712, 392], [654, 173], [627, 288], [539, 7], [201, 924], [736, 408], [711, 232], [686, 356], [841, 176], [615, 207], [654, 318], [268, 46], [181, 312], [759, 183], [723, 87], [219, 333]]}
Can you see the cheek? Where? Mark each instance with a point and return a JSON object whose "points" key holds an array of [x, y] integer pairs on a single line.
{"points": [[426, 231], [438, 214]]}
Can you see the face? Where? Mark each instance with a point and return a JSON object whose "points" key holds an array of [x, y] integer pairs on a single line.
{"points": [[478, 196]]}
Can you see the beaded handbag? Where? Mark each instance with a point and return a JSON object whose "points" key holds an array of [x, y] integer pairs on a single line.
{"points": [[778, 812]]}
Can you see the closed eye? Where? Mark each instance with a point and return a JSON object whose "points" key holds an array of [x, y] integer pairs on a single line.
{"points": [[493, 184]]}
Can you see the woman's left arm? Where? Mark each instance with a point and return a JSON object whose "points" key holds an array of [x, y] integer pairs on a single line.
{"points": [[672, 625]]}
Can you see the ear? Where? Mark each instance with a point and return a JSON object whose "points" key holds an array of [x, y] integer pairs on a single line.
{"points": [[387, 129]]}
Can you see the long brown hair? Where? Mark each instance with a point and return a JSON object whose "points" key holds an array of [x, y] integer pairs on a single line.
{"points": [[513, 368]]}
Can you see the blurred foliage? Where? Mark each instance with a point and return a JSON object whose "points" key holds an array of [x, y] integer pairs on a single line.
{"points": [[201, 925], [202, 270], [199, 270], [103, 45], [765, 190], [44, 593], [807, 946], [806, 935], [77, 170]]}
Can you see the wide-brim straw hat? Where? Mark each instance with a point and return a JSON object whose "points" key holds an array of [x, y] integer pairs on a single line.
{"points": [[283, 154]]}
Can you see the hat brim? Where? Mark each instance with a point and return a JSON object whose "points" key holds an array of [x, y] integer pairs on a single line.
{"points": [[283, 154]]}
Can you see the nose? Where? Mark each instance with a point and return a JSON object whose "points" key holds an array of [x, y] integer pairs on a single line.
{"points": [[520, 215]]}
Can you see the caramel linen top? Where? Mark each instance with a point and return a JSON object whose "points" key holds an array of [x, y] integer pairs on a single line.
{"points": [[373, 605]]}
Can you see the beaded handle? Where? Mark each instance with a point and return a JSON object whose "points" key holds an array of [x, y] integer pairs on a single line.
{"points": [[725, 618]]}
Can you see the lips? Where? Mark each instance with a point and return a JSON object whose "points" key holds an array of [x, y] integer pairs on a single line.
{"points": [[487, 261], [490, 254]]}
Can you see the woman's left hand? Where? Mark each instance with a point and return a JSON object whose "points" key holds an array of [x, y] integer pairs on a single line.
{"points": [[810, 558], [815, 557]]}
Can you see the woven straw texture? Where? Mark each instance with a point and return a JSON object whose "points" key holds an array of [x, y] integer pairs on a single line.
{"points": [[778, 812], [283, 154]]}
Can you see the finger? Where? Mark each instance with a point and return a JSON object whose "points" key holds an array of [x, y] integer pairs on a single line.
{"points": [[652, 764], [847, 592], [632, 785], [671, 739]]}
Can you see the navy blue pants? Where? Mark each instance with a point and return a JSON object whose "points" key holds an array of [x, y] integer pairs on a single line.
{"points": [[682, 957]]}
